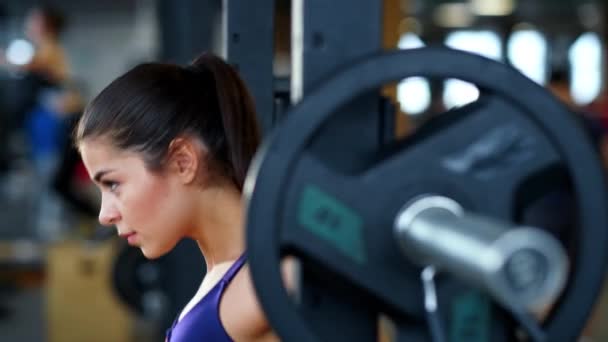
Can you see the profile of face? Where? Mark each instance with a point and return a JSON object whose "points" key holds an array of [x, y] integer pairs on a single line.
{"points": [[151, 209]]}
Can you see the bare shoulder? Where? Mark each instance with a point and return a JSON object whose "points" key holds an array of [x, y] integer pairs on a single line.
{"points": [[240, 311]]}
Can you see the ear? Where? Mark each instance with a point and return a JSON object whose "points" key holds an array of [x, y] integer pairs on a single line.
{"points": [[184, 158]]}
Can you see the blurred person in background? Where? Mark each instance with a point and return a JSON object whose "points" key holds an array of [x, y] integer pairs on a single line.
{"points": [[43, 27], [55, 101]]}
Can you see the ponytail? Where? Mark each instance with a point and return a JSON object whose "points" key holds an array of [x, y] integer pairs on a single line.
{"points": [[237, 112]]}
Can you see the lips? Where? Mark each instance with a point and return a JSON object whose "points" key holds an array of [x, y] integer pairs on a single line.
{"points": [[126, 235], [131, 237]]}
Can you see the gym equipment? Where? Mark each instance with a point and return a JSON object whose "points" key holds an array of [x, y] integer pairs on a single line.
{"points": [[520, 266], [249, 47], [137, 282], [157, 289], [77, 282], [358, 226]]}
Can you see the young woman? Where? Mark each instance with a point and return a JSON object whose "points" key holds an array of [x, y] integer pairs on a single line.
{"points": [[169, 147]]}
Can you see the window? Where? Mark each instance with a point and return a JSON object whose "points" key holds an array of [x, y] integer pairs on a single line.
{"points": [[486, 43], [527, 52], [585, 58]]}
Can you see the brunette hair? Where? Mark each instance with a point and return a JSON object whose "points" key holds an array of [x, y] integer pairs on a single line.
{"points": [[154, 103]]}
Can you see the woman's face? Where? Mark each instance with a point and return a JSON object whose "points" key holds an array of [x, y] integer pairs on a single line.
{"points": [[148, 208]]}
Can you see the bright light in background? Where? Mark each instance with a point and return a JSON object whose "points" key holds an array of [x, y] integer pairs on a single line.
{"points": [[19, 52], [492, 7], [486, 43], [410, 41], [453, 14], [413, 93], [527, 52], [585, 57]]}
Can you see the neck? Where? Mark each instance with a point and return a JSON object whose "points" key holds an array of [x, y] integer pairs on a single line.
{"points": [[219, 230]]}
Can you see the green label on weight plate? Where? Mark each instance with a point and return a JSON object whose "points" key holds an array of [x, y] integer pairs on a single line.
{"points": [[470, 319], [332, 221]]}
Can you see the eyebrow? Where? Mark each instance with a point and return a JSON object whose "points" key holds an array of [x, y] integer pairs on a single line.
{"points": [[100, 174]]}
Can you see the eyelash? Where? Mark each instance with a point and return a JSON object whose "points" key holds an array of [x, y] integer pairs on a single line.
{"points": [[110, 185]]}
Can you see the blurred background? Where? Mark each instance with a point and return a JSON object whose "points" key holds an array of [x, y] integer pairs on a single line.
{"points": [[64, 278]]}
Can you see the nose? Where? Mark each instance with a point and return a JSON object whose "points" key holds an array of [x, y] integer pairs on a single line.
{"points": [[108, 214]]}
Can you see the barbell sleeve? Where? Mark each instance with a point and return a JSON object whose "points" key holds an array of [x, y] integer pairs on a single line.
{"points": [[518, 265]]}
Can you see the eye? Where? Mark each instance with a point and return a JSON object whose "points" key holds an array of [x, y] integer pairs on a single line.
{"points": [[110, 185]]}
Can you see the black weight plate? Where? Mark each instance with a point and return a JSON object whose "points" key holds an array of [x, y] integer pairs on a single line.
{"points": [[271, 188]]}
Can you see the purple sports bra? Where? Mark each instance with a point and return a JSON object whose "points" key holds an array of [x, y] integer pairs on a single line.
{"points": [[202, 322]]}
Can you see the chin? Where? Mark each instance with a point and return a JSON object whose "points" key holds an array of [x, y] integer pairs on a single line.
{"points": [[153, 253]]}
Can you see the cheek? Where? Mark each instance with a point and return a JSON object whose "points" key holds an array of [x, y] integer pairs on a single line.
{"points": [[158, 208], [143, 204], [160, 213]]}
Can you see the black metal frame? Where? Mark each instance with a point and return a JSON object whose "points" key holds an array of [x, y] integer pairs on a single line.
{"points": [[248, 31]]}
